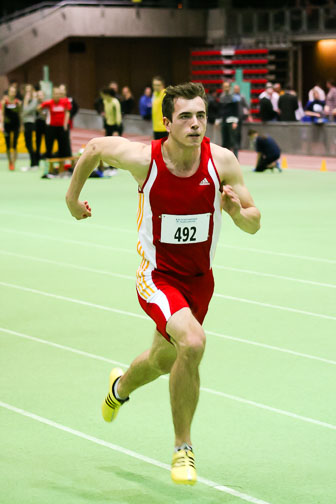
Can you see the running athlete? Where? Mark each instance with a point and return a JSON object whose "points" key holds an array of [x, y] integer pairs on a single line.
{"points": [[184, 182], [11, 109]]}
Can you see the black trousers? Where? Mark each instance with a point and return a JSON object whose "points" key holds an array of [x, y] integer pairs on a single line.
{"points": [[230, 137], [265, 161], [63, 140], [28, 136], [11, 132], [40, 131], [111, 129]]}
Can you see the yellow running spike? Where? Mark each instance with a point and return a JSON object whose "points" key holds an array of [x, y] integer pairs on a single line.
{"points": [[183, 470]]}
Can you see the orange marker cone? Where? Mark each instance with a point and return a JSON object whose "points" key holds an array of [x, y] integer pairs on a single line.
{"points": [[284, 164], [323, 165]]}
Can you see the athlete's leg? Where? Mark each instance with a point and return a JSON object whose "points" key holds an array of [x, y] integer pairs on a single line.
{"points": [[188, 338], [148, 366]]}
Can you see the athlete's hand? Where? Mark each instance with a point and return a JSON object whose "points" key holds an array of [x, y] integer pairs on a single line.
{"points": [[79, 209], [230, 202]]}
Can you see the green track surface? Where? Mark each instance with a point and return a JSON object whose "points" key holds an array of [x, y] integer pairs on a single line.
{"points": [[265, 426]]}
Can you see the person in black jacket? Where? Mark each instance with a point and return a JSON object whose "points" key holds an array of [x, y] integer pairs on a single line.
{"points": [[288, 104], [229, 113], [268, 151]]}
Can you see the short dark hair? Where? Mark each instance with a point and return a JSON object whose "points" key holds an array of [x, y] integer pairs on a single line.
{"points": [[188, 90], [108, 91], [251, 132], [159, 78], [332, 82]]}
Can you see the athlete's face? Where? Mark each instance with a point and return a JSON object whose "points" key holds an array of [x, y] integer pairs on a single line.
{"points": [[189, 121]]}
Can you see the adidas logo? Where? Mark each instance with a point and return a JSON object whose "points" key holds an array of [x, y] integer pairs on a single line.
{"points": [[204, 182]]}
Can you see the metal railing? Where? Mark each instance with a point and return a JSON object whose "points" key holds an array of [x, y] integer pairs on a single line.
{"points": [[107, 3]]}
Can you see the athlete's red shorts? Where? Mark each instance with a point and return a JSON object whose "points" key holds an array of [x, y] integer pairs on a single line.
{"points": [[172, 293]]}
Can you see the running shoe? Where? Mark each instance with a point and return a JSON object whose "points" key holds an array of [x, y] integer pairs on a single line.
{"points": [[111, 404], [183, 470]]}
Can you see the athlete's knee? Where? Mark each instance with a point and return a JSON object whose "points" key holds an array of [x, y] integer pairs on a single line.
{"points": [[191, 344]]}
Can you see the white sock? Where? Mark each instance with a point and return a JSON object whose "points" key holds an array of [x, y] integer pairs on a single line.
{"points": [[184, 446], [115, 390]]}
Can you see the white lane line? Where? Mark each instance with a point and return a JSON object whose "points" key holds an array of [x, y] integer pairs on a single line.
{"points": [[63, 347], [70, 221], [130, 453], [203, 389], [270, 408], [129, 277], [66, 240], [69, 265], [271, 275], [77, 301], [277, 307], [282, 254], [271, 347], [231, 298], [144, 317], [212, 333], [223, 245]]}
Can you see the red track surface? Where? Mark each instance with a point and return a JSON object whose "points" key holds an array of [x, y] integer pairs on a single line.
{"points": [[80, 137]]}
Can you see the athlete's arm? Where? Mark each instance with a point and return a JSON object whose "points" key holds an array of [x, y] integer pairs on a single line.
{"points": [[115, 151], [236, 199]]}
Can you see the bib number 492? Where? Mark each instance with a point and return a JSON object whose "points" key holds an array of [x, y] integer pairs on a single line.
{"points": [[185, 234], [184, 229]]}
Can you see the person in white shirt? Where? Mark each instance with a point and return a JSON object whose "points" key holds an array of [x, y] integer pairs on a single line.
{"points": [[271, 95]]}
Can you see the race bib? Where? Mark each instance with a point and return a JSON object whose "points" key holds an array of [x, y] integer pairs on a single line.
{"points": [[181, 229]]}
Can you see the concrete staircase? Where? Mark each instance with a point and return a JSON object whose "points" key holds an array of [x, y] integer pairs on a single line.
{"points": [[26, 37]]}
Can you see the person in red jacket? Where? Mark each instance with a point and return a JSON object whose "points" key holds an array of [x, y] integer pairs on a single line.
{"points": [[57, 124]]}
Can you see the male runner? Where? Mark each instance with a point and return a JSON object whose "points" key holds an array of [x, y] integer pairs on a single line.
{"points": [[184, 181]]}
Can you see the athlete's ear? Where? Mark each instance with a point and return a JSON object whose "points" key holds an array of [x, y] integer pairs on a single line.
{"points": [[167, 122]]}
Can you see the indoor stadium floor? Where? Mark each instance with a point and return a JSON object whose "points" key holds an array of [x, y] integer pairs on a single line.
{"points": [[265, 426]]}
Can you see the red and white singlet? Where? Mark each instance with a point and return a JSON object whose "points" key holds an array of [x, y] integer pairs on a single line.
{"points": [[179, 219]]}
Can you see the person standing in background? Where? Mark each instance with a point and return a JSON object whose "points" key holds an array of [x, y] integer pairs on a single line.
{"points": [[115, 86], [321, 93], [145, 104], [127, 101], [243, 113], [112, 112], [159, 130], [74, 104], [40, 124], [288, 104], [313, 111], [330, 106], [28, 115], [213, 106], [11, 109], [228, 112], [57, 123], [112, 122], [73, 110], [267, 112]]}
